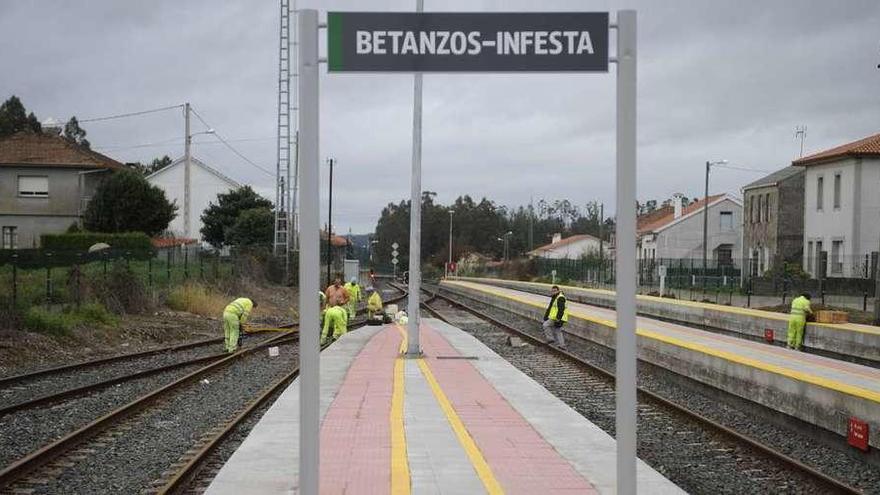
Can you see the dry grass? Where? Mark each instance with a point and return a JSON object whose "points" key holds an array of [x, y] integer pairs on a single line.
{"points": [[197, 299]]}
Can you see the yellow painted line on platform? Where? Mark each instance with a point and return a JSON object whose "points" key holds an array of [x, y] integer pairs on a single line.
{"points": [[757, 313], [729, 356], [484, 471], [400, 475]]}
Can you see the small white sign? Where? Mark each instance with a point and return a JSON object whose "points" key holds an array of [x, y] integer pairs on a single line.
{"points": [[662, 270], [273, 351], [394, 253], [395, 245], [394, 261]]}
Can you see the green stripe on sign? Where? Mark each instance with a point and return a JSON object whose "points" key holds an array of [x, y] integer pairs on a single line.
{"points": [[334, 41]]}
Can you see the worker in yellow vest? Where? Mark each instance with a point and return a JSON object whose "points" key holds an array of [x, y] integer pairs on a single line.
{"points": [[354, 297], [235, 315], [374, 302], [555, 317], [335, 318], [800, 309]]}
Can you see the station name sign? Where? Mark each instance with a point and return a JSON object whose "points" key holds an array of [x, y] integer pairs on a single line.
{"points": [[467, 42]]}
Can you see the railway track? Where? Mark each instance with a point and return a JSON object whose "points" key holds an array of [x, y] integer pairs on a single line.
{"points": [[198, 467], [38, 470], [698, 452]]}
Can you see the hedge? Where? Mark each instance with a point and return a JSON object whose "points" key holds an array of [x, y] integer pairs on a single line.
{"points": [[131, 241]]}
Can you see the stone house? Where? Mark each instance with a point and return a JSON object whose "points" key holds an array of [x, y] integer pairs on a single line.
{"points": [[773, 220]]}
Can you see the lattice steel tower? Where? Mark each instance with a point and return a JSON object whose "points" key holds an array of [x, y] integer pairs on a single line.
{"points": [[285, 192]]}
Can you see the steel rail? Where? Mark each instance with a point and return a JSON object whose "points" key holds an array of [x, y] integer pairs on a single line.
{"points": [[651, 396]]}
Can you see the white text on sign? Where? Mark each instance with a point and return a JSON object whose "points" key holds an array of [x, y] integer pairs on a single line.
{"points": [[473, 43]]}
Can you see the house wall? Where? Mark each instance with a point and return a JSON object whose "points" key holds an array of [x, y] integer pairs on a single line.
{"points": [[574, 250], [684, 238], [205, 188], [33, 216], [760, 243], [854, 223], [790, 215]]}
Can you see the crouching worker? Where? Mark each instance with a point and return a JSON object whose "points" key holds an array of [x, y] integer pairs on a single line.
{"points": [[335, 324], [800, 309], [374, 302], [555, 316], [234, 317]]}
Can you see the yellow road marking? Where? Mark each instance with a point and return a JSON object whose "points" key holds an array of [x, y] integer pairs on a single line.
{"points": [[848, 327], [484, 472], [726, 355], [400, 476]]}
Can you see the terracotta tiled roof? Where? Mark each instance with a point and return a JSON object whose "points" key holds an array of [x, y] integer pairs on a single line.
{"points": [[658, 222], [337, 240], [563, 242], [869, 146], [166, 242], [31, 149]]}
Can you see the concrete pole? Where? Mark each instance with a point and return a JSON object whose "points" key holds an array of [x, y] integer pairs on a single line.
{"points": [[187, 165], [706, 223], [309, 254], [413, 348], [450, 244], [625, 424]]}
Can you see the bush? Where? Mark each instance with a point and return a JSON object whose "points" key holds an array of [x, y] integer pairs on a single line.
{"points": [[82, 241], [59, 324], [197, 299], [122, 291]]}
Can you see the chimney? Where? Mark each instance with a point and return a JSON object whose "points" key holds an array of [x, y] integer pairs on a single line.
{"points": [[557, 237], [676, 204], [52, 126]]}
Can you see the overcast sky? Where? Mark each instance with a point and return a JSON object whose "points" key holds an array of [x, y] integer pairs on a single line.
{"points": [[717, 80]]}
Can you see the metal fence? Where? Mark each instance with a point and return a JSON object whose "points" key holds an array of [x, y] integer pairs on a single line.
{"points": [[734, 282], [34, 277]]}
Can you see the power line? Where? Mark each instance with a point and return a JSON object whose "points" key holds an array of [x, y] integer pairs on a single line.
{"points": [[177, 140], [226, 143], [744, 169], [131, 114]]}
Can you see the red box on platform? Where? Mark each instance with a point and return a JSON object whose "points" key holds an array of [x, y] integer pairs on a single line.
{"points": [[768, 335], [857, 434]]}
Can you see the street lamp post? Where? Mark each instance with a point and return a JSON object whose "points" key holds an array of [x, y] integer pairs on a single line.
{"points": [[706, 216], [449, 263], [187, 165]]}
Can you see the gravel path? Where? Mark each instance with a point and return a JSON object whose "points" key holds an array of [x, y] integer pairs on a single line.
{"points": [[697, 463], [57, 382], [129, 457]]}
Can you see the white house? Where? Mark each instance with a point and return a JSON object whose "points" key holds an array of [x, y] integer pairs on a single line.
{"points": [[676, 231], [842, 208], [573, 247], [205, 184]]}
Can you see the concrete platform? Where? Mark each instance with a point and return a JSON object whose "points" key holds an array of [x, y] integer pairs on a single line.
{"points": [[822, 391], [849, 339], [460, 421]]}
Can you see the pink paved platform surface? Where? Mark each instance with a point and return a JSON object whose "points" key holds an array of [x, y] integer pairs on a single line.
{"points": [[356, 433]]}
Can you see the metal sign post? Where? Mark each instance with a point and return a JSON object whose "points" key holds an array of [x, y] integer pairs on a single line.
{"points": [[468, 42], [309, 254], [625, 349]]}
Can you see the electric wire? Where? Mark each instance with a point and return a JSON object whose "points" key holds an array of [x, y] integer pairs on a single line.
{"points": [[226, 143], [130, 114]]}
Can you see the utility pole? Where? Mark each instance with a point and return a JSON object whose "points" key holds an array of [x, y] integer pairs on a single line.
{"points": [[531, 223], [449, 263], [187, 165], [601, 230], [330, 227], [706, 217]]}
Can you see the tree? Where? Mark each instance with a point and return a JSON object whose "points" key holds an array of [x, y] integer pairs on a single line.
{"points": [[156, 165], [219, 219], [253, 227], [126, 202], [14, 118], [75, 133]]}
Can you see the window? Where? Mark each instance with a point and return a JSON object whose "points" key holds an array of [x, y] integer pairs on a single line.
{"points": [[836, 257], [33, 186], [724, 253], [751, 209], [726, 220], [820, 190], [767, 207], [10, 238], [810, 257], [759, 208], [836, 191]]}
